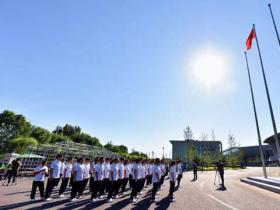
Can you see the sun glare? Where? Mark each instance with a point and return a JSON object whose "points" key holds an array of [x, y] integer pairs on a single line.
{"points": [[209, 69]]}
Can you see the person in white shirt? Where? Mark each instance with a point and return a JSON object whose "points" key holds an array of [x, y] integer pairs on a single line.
{"points": [[172, 180], [38, 180], [142, 176], [180, 172], [135, 169], [86, 176], [126, 175], [66, 176], [114, 175], [106, 175], [54, 176], [149, 173], [163, 172], [78, 178], [98, 173], [156, 178], [121, 176]]}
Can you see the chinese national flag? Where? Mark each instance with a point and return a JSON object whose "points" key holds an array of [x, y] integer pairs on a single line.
{"points": [[250, 38]]}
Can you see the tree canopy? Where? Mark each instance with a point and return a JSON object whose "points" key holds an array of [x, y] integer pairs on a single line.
{"points": [[20, 143]]}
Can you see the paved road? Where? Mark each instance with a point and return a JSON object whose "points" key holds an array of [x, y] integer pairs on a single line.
{"points": [[198, 195]]}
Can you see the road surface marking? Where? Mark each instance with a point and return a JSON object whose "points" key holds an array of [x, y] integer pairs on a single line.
{"points": [[221, 202], [202, 183]]}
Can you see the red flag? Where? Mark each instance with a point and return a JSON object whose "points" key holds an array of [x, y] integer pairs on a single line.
{"points": [[250, 38]]}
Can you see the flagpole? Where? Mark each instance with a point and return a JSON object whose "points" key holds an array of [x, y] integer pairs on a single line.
{"points": [[274, 24], [256, 117], [268, 99]]}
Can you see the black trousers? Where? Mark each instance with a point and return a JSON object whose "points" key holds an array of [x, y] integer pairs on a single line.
{"points": [[63, 185], [124, 183], [104, 186], [149, 180], [36, 184], [130, 180], [141, 184], [134, 186], [118, 186], [96, 185], [50, 184], [171, 189], [12, 174], [179, 179], [156, 185], [76, 187], [112, 188], [161, 180], [84, 185], [222, 178], [194, 174]]}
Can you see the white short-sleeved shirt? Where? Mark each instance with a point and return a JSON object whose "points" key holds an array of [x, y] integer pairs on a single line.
{"points": [[79, 169], [106, 168], [179, 166], [135, 171], [68, 170], [121, 168], [40, 176], [127, 170], [56, 168], [156, 170], [172, 174], [114, 169], [98, 168], [143, 171], [150, 169], [162, 167], [86, 170], [62, 168]]}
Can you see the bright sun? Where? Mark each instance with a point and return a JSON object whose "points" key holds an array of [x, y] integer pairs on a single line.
{"points": [[209, 69]]}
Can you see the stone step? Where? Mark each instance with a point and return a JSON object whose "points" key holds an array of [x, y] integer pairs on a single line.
{"points": [[262, 185], [271, 181]]}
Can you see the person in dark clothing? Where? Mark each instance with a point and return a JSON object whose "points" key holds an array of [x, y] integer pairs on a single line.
{"points": [[220, 168], [14, 171], [194, 165]]}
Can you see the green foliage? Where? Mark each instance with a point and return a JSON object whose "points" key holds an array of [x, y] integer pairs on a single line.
{"points": [[41, 135], [84, 138], [21, 143], [59, 138], [67, 130], [190, 153], [12, 126]]}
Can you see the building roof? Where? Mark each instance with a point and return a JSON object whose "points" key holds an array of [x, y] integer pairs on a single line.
{"points": [[193, 140], [270, 139]]}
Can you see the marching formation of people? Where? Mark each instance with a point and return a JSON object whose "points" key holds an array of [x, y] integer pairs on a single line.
{"points": [[108, 178]]}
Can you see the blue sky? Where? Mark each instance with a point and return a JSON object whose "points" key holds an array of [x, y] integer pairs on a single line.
{"points": [[122, 69]]}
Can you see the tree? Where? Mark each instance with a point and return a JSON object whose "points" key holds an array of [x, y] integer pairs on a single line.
{"points": [[59, 138], [190, 153], [85, 138], [231, 140], [188, 135], [67, 130], [21, 143], [41, 135], [213, 136], [109, 146], [12, 126], [204, 137]]}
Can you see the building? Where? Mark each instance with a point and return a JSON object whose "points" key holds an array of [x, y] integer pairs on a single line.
{"points": [[250, 155], [271, 141], [180, 148]]}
